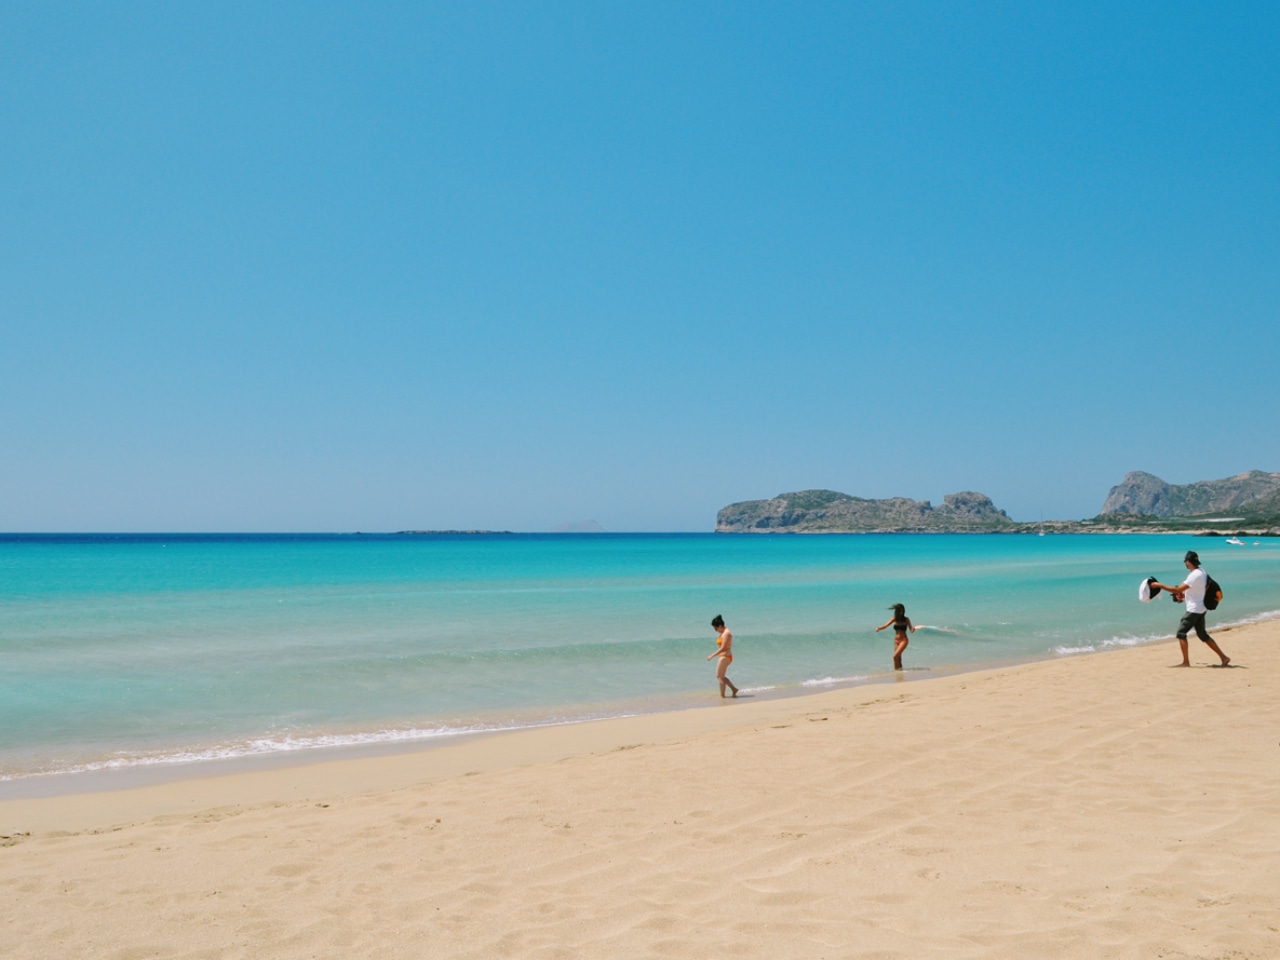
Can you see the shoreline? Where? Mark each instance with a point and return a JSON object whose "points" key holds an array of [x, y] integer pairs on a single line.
{"points": [[162, 790], [159, 774], [167, 787], [293, 654], [1086, 806], [130, 775]]}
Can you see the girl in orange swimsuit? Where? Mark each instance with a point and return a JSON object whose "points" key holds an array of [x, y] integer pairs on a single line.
{"points": [[901, 623], [724, 650]]}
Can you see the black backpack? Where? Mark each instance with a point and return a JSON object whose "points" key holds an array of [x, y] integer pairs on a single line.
{"points": [[1212, 593]]}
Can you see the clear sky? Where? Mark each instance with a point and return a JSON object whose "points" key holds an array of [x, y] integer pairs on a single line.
{"points": [[358, 266]]}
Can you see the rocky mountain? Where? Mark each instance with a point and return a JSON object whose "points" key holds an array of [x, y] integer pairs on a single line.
{"points": [[828, 511], [1144, 494], [1142, 502], [1264, 510]]}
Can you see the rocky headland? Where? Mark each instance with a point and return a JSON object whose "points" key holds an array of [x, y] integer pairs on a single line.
{"points": [[828, 511], [1144, 494], [1247, 504]]}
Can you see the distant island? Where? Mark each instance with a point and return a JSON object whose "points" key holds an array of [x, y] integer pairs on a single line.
{"points": [[453, 533], [1244, 505], [827, 511]]}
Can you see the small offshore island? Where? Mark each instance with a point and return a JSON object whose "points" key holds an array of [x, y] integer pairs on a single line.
{"points": [[1247, 504], [453, 533]]}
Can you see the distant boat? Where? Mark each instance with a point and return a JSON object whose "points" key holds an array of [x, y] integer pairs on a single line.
{"points": [[1236, 540]]}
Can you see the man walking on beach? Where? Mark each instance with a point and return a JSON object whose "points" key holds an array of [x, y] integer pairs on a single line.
{"points": [[1192, 590]]}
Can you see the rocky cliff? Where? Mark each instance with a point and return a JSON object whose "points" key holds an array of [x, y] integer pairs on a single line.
{"points": [[827, 511], [1144, 494]]}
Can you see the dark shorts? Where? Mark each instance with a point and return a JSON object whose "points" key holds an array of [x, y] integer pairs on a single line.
{"points": [[1193, 621]]}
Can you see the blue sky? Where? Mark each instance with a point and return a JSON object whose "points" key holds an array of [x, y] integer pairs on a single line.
{"points": [[386, 266]]}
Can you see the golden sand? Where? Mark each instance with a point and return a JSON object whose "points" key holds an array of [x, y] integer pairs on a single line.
{"points": [[1099, 806]]}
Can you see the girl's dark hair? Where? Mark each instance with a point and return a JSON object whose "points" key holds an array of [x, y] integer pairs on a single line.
{"points": [[718, 621], [899, 611]]}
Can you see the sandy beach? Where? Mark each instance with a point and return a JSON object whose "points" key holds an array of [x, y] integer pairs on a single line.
{"points": [[1106, 805]]}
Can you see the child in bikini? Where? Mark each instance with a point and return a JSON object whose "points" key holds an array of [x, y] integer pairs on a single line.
{"points": [[724, 650]]}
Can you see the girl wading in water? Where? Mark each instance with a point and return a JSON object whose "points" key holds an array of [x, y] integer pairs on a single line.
{"points": [[724, 650], [901, 623]]}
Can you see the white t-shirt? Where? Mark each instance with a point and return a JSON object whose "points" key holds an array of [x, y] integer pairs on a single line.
{"points": [[1196, 581]]}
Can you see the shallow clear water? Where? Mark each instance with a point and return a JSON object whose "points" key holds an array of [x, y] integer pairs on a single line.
{"points": [[126, 650]]}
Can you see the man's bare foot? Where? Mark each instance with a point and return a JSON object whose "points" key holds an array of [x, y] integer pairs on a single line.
{"points": [[1226, 661], [1186, 664]]}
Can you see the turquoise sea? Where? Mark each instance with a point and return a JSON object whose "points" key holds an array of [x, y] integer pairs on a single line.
{"points": [[128, 651]]}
